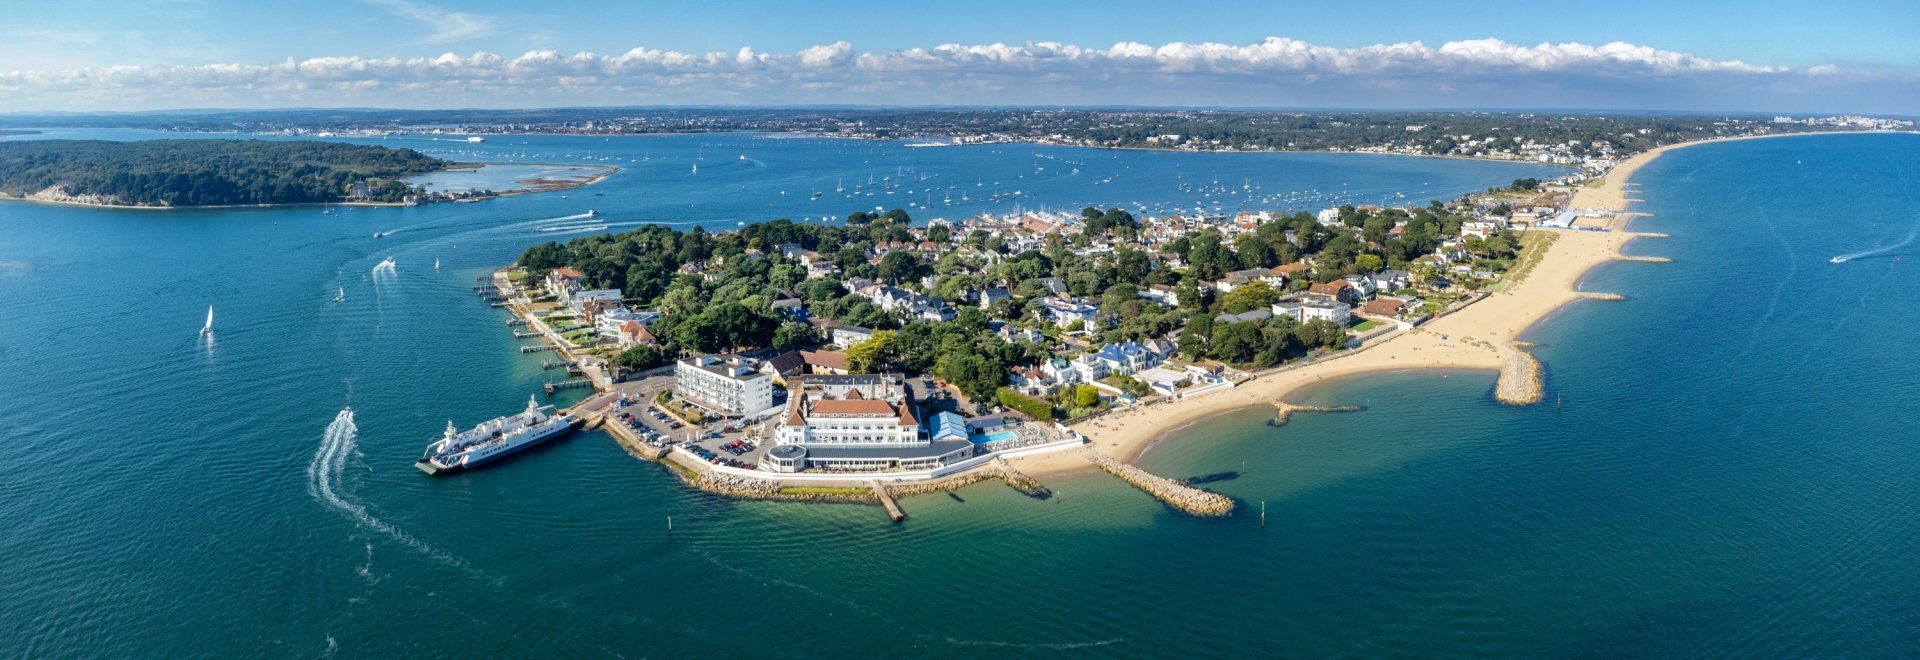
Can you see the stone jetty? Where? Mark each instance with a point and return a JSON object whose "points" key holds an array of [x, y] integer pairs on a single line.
{"points": [[1519, 381], [1180, 496], [1284, 411], [1021, 482]]}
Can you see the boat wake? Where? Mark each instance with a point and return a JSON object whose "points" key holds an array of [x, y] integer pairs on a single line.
{"points": [[1883, 251], [324, 484], [573, 229], [385, 268]]}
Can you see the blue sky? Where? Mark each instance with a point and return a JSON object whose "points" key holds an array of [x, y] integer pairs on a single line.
{"points": [[1761, 56]]}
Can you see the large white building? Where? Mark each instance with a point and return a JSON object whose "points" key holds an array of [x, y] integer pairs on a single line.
{"points": [[730, 384], [856, 423]]}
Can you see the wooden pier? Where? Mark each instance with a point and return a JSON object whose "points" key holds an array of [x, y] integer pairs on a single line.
{"points": [[525, 334], [536, 349]]}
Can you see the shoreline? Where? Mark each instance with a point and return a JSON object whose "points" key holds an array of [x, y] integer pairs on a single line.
{"points": [[1484, 336]]}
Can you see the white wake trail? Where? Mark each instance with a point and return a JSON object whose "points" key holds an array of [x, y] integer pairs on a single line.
{"points": [[323, 482], [1912, 234]]}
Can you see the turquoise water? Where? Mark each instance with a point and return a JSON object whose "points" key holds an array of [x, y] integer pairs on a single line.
{"points": [[993, 437], [1730, 468]]}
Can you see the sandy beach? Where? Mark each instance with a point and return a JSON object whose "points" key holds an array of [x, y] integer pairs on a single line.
{"points": [[1480, 336]]}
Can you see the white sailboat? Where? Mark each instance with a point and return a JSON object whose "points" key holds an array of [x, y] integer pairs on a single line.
{"points": [[208, 328], [436, 263], [342, 296]]}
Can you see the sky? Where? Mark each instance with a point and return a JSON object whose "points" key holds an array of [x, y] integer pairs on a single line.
{"points": [[1720, 55]]}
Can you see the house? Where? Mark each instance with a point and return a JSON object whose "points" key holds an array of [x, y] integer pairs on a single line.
{"points": [[610, 322], [792, 308], [1363, 286], [1035, 381], [1126, 357], [1250, 315], [1053, 285], [1311, 308], [1384, 306], [1161, 293], [786, 366], [1239, 278], [1019, 334], [1063, 312], [579, 298], [559, 279], [987, 297], [1338, 290], [1392, 280], [847, 336], [633, 333]]}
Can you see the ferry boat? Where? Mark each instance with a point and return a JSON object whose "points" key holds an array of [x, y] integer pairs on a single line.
{"points": [[493, 439]]}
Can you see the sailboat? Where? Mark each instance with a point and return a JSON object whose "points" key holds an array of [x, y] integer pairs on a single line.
{"points": [[342, 297], [840, 185], [208, 328], [436, 263], [696, 168]]}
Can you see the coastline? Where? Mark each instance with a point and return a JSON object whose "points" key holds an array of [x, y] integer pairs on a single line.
{"points": [[1483, 336]]}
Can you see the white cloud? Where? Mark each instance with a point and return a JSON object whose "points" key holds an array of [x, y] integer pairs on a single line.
{"points": [[1274, 72], [447, 25]]}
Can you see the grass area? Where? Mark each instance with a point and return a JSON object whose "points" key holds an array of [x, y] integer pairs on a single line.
{"points": [[1533, 249], [1367, 325], [1593, 183], [823, 490]]}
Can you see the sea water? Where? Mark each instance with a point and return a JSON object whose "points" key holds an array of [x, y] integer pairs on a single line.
{"points": [[1729, 467]]}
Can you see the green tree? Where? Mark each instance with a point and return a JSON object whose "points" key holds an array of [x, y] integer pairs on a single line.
{"points": [[877, 351]]}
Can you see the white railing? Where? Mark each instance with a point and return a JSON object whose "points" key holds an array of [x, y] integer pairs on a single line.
{"points": [[914, 475]]}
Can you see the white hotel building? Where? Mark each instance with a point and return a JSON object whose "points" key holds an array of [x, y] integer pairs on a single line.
{"points": [[856, 422], [732, 384]]}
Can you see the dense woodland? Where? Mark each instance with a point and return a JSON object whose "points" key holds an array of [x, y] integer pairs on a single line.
{"points": [[208, 172]]}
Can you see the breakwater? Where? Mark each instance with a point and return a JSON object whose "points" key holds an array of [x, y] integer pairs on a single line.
{"points": [[1021, 482], [1519, 381], [1195, 501], [1284, 411]]}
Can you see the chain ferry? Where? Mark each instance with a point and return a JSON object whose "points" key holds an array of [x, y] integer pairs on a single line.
{"points": [[493, 439]]}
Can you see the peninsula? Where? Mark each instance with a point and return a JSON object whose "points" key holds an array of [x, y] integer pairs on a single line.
{"points": [[177, 173]]}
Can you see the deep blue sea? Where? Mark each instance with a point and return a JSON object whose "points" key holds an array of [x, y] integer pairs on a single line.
{"points": [[1729, 470]]}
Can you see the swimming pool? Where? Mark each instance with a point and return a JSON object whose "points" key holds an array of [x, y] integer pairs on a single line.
{"points": [[993, 437]]}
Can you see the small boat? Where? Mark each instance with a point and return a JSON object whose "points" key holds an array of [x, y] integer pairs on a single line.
{"points": [[743, 156], [342, 296], [591, 213], [436, 263], [208, 328]]}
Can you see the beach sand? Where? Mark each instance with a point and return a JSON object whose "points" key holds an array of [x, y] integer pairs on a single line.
{"points": [[1480, 336]]}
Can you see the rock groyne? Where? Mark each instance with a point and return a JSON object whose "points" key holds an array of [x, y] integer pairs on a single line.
{"points": [[1180, 496], [1519, 381]]}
